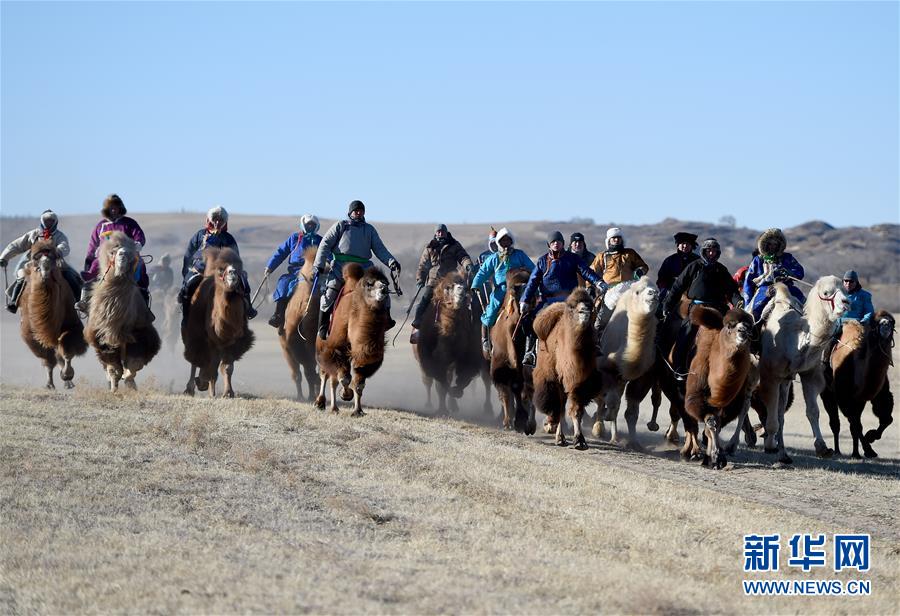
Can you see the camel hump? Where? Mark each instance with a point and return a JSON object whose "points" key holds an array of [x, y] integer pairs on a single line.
{"points": [[709, 318], [353, 272], [547, 318], [219, 258]]}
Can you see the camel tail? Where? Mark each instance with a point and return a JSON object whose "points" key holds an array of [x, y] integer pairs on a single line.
{"points": [[707, 317]]}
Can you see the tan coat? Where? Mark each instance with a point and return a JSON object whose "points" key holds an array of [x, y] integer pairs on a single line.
{"points": [[618, 267]]}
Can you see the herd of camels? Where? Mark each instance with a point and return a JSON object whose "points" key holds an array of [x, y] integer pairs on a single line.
{"points": [[631, 358]]}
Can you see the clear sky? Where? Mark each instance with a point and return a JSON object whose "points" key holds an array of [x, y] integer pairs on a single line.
{"points": [[775, 113]]}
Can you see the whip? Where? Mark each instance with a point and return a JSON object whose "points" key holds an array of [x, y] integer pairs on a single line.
{"points": [[259, 288], [406, 318]]}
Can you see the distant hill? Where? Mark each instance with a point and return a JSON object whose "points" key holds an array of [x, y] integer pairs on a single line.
{"points": [[823, 249]]}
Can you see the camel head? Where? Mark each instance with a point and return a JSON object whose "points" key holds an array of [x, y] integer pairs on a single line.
{"points": [[226, 266], [827, 298], [738, 326], [580, 308], [886, 325], [44, 257], [452, 288], [516, 279], [374, 285], [644, 296], [118, 256]]}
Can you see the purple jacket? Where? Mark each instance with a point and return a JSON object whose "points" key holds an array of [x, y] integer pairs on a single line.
{"points": [[126, 225]]}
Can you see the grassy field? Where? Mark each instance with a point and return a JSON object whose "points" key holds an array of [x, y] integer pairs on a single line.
{"points": [[155, 502]]}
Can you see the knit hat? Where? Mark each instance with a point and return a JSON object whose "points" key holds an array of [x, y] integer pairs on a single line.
{"points": [[356, 205], [851, 275], [441, 227], [710, 243], [683, 237], [576, 237], [555, 236]]}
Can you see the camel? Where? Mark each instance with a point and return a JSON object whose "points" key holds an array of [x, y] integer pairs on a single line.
{"points": [[565, 374], [792, 342], [860, 363], [119, 323], [627, 353], [512, 380], [50, 326], [449, 342], [716, 390], [484, 362], [298, 338], [354, 348], [216, 334]]}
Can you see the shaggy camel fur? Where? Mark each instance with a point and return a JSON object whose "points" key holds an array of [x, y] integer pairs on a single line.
{"points": [[565, 374], [355, 346], [50, 327], [484, 363], [298, 339], [627, 352], [449, 342], [119, 323], [860, 363], [512, 380], [716, 390], [216, 334], [792, 343]]}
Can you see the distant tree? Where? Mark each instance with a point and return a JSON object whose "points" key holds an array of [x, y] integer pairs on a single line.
{"points": [[728, 221], [579, 220]]}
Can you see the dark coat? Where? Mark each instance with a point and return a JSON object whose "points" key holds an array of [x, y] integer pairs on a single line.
{"points": [[439, 259], [710, 283]]}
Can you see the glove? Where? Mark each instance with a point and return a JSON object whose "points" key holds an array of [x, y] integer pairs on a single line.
{"points": [[420, 285], [3, 263], [523, 308], [780, 274], [470, 268], [601, 286], [639, 272], [317, 271], [395, 266], [266, 272]]}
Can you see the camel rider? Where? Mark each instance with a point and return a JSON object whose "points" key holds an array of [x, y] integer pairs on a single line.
{"points": [[114, 219], [555, 276], [861, 309], [617, 264], [352, 240], [48, 229], [161, 276], [704, 281], [771, 265], [483, 292], [214, 234], [495, 268], [578, 247], [442, 255], [674, 264], [291, 249]]}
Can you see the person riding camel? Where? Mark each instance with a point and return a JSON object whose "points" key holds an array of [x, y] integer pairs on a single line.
{"points": [[617, 264], [579, 248], [114, 219], [483, 292], [214, 234], [704, 281], [555, 276], [861, 309], [771, 265], [351, 240], [674, 264], [291, 249], [442, 255], [48, 229], [495, 268], [161, 276]]}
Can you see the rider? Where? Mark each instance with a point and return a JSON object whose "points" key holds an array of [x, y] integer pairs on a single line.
{"points": [[214, 234], [352, 240], [483, 292], [48, 229], [616, 265], [555, 276], [495, 268], [291, 249], [704, 281], [114, 219], [861, 309], [578, 247], [674, 264], [161, 276], [771, 265], [441, 255]]}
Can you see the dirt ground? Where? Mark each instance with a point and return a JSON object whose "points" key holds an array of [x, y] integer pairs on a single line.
{"points": [[152, 501]]}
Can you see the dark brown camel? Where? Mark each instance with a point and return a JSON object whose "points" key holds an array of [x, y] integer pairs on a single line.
{"points": [[298, 338]]}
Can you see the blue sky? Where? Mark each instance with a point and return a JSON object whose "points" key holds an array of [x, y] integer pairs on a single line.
{"points": [[775, 113]]}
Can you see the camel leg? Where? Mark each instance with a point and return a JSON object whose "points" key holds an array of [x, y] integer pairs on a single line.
{"points": [[312, 381], [656, 401], [856, 430], [191, 384], [883, 408], [715, 457], [294, 367], [227, 369], [442, 397], [783, 456], [334, 405], [672, 432], [67, 373], [505, 396], [128, 377], [770, 394], [739, 425], [114, 375], [813, 384], [323, 381], [691, 446], [347, 391], [531, 423], [576, 411], [560, 431], [632, 407], [488, 406], [427, 381], [613, 401], [597, 429], [49, 384], [359, 384]]}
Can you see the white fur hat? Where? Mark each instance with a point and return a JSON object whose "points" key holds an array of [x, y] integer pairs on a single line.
{"points": [[504, 232], [217, 211], [614, 232], [309, 218]]}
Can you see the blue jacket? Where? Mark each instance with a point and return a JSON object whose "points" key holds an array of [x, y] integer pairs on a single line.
{"points": [[495, 268], [193, 256], [557, 276], [861, 307], [786, 262], [292, 249]]}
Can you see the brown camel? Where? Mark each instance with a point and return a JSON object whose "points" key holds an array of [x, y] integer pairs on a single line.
{"points": [[716, 390], [513, 381], [354, 348], [860, 363], [50, 327], [216, 334], [298, 338], [449, 341], [484, 362], [565, 375], [119, 323]]}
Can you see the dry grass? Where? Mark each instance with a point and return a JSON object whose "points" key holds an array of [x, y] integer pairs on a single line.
{"points": [[156, 503]]}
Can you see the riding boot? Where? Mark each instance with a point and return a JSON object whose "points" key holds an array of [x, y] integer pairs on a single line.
{"points": [[530, 356], [145, 293], [83, 304], [13, 294], [277, 319], [485, 341], [324, 322], [414, 336], [248, 308], [826, 356]]}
